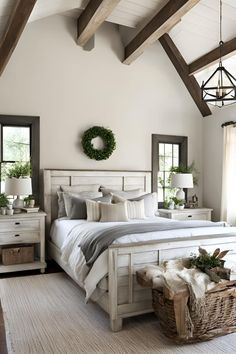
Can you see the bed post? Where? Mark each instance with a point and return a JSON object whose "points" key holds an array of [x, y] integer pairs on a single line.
{"points": [[115, 321], [47, 199]]}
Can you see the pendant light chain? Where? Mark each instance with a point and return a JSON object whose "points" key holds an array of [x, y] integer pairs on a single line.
{"points": [[221, 41]]}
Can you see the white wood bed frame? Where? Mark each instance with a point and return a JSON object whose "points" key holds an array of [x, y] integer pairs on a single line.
{"points": [[124, 298]]}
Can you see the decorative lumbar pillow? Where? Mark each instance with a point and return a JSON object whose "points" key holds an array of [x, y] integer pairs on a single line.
{"points": [[76, 207], [135, 209], [133, 193], [113, 212], [82, 195], [150, 202]]}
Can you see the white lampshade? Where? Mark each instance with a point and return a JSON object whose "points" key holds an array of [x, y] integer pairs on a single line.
{"points": [[182, 180], [18, 186]]}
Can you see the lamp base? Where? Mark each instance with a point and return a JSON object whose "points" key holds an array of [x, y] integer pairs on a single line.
{"points": [[18, 204], [180, 194]]}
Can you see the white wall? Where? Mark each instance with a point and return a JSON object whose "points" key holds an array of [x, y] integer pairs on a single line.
{"points": [[71, 90], [212, 156]]}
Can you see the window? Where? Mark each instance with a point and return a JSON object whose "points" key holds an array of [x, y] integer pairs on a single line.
{"points": [[19, 142], [167, 151]]}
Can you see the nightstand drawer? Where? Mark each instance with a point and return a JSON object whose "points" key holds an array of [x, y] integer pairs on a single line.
{"points": [[19, 236], [18, 225], [190, 216]]}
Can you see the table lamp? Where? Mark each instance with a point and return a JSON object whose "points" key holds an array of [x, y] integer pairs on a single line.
{"points": [[17, 187], [181, 180]]}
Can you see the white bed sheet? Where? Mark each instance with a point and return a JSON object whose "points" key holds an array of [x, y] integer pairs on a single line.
{"points": [[61, 228], [66, 234]]}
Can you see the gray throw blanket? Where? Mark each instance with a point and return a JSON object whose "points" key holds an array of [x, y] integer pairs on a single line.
{"points": [[93, 245]]}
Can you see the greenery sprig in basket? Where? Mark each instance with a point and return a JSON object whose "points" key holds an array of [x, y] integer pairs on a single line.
{"points": [[212, 264]]}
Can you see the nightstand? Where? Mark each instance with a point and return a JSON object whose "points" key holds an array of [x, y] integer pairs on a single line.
{"points": [[186, 214], [24, 228]]}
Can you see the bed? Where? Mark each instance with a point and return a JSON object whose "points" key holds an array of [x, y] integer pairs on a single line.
{"points": [[111, 280]]}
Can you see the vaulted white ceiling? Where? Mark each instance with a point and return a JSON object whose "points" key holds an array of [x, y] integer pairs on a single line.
{"points": [[196, 34]]}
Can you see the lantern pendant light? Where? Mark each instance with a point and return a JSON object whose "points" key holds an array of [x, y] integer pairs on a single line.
{"points": [[220, 88]]}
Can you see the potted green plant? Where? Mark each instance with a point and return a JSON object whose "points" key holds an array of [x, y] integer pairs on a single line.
{"points": [[29, 201], [19, 170], [3, 203], [179, 203], [18, 182]]}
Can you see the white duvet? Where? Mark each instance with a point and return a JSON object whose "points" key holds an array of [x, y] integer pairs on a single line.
{"points": [[66, 234]]}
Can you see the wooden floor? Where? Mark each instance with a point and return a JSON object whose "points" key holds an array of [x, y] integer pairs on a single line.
{"points": [[52, 267]]}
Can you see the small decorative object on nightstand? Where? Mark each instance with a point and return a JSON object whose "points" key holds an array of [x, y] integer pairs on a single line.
{"points": [[24, 229], [186, 214]]}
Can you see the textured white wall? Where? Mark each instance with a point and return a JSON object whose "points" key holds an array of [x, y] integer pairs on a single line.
{"points": [[212, 156], [72, 90]]}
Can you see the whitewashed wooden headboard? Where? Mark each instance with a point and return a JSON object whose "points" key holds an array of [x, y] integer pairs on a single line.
{"points": [[120, 180]]}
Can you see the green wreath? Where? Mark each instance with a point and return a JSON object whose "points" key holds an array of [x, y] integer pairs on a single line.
{"points": [[108, 139]]}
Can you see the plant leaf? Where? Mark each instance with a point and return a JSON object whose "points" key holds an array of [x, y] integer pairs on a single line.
{"points": [[216, 252], [222, 254], [202, 251]]}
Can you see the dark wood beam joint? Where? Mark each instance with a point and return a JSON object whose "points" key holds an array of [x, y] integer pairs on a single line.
{"points": [[182, 68]]}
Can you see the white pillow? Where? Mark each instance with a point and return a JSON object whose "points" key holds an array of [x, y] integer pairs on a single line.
{"points": [[114, 212], [135, 209], [150, 202], [93, 210]]}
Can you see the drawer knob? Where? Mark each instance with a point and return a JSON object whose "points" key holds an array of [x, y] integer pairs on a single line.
{"points": [[17, 223], [190, 216], [17, 235]]}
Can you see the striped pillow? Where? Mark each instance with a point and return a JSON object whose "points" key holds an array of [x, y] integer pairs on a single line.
{"points": [[135, 209], [93, 210]]}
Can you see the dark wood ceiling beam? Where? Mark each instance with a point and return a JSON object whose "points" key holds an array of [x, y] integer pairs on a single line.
{"points": [[14, 29], [182, 68], [162, 23], [211, 57], [95, 13]]}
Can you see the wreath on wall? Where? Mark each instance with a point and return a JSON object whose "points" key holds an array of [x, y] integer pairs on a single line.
{"points": [[108, 139]]}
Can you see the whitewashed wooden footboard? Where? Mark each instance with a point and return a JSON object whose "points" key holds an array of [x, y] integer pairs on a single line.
{"points": [[125, 297]]}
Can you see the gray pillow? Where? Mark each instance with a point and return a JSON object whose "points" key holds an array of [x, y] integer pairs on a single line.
{"points": [[76, 207], [81, 194]]}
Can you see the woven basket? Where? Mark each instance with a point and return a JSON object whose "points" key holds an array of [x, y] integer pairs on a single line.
{"points": [[184, 322]]}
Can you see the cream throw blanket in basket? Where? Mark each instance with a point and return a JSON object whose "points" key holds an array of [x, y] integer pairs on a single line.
{"points": [[175, 275]]}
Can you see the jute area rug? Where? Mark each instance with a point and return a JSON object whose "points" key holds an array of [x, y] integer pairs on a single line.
{"points": [[47, 314]]}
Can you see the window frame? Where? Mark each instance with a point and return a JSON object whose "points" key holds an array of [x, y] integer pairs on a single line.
{"points": [[182, 141], [34, 124]]}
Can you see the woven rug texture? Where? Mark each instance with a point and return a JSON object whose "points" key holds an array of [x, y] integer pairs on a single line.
{"points": [[46, 314]]}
